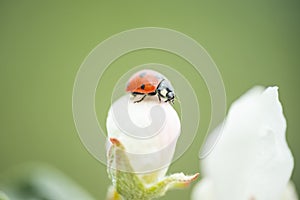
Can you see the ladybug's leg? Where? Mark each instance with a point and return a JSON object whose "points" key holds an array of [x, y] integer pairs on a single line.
{"points": [[137, 101], [159, 98]]}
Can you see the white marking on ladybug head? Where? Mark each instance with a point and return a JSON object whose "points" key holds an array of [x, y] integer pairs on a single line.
{"points": [[164, 92]]}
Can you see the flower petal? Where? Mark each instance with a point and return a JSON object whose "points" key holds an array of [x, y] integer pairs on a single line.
{"points": [[290, 192], [252, 158], [204, 190]]}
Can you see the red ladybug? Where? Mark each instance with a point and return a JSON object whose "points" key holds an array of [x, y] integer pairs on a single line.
{"points": [[150, 83]]}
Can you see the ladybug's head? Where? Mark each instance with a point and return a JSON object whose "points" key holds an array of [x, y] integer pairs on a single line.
{"points": [[170, 96], [166, 91]]}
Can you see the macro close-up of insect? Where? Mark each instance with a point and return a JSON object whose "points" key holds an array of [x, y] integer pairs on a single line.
{"points": [[150, 100], [150, 83]]}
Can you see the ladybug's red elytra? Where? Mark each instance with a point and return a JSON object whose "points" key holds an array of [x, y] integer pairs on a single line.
{"points": [[150, 83]]}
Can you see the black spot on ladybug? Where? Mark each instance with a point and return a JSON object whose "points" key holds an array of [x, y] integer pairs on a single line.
{"points": [[142, 86], [142, 74]]}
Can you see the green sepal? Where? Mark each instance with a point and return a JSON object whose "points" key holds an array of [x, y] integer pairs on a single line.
{"points": [[128, 184]]}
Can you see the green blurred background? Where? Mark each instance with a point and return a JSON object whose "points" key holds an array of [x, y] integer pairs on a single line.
{"points": [[43, 43]]}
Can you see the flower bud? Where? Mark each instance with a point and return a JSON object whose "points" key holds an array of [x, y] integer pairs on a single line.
{"points": [[148, 131]]}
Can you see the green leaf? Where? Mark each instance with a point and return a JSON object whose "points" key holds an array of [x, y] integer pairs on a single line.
{"points": [[39, 181], [3, 196]]}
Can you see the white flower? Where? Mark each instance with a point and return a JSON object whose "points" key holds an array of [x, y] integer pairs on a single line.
{"points": [[148, 130], [251, 160], [142, 140]]}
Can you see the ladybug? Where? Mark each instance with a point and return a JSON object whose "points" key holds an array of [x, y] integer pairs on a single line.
{"points": [[150, 83]]}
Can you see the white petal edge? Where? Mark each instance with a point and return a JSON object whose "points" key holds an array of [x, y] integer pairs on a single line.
{"points": [[203, 190], [290, 192], [251, 159]]}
